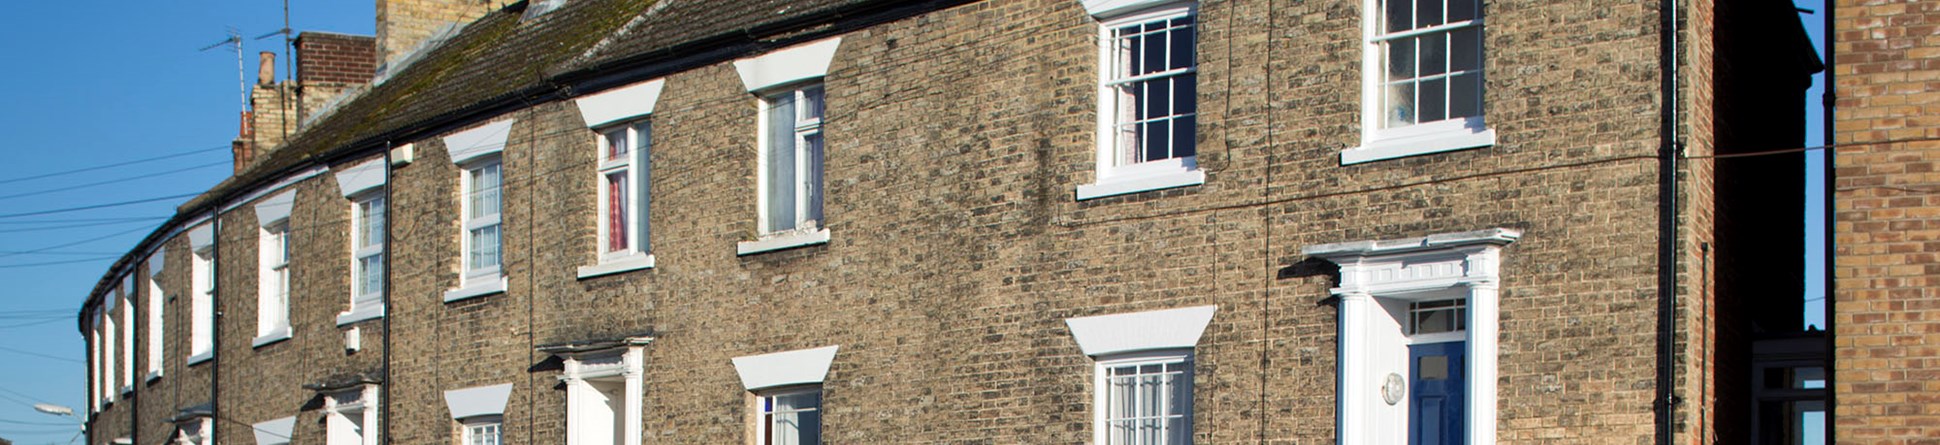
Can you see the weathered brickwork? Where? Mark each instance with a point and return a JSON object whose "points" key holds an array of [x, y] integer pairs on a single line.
{"points": [[1886, 310], [955, 140], [404, 24]]}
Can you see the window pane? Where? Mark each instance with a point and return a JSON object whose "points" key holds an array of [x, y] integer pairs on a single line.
{"points": [[485, 247], [1428, 13], [812, 176], [642, 188], [1152, 49], [1434, 54], [370, 274], [1158, 99], [781, 162], [1183, 43], [485, 191], [1185, 94], [1433, 99], [1183, 142], [1401, 58], [1400, 109], [1401, 16], [370, 219], [616, 211], [1465, 95], [1120, 398], [1466, 46], [1156, 134], [1462, 10], [616, 144], [811, 107]]}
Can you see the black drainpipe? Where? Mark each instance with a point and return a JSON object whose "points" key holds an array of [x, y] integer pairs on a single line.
{"points": [[1830, 103], [215, 322], [384, 389], [1667, 153]]}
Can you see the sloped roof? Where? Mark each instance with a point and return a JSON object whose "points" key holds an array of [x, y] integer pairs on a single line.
{"points": [[500, 63]]}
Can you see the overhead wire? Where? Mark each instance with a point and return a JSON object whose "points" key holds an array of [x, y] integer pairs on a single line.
{"points": [[80, 226], [112, 181], [113, 165]]}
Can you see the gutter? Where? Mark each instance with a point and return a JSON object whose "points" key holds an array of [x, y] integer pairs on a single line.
{"points": [[1669, 148], [1830, 103]]}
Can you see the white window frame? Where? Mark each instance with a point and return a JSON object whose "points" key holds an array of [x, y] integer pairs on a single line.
{"points": [[366, 305], [1377, 142], [339, 408], [809, 211], [202, 306], [156, 319], [1101, 388], [1114, 177], [127, 334], [1379, 280], [273, 288], [764, 416], [583, 373], [635, 166], [483, 280], [765, 76], [474, 427]]}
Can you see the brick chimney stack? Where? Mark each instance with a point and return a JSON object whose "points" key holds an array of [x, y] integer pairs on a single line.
{"points": [[404, 24]]}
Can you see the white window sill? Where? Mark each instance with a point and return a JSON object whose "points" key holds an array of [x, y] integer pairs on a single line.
{"points": [[127, 390], [486, 286], [1452, 138], [203, 357], [273, 336], [618, 265], [360, 313], [782, 241], [153, 376], [1126, 185]]}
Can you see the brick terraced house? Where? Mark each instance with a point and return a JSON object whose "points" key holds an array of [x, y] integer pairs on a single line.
{"points": [[1019, 222]]}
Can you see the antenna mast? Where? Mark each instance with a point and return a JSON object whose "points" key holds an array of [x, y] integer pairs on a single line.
{"points": [[242, 84]]}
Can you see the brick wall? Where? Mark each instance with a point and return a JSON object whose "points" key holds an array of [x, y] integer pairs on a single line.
{"points": [[1886, 308], [402, 25], [335, 59]]}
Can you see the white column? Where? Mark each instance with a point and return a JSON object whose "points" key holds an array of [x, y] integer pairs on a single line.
{"points": [[1482, 330], [633, 370], [1352, 396], [575, 396], [371, 419]]}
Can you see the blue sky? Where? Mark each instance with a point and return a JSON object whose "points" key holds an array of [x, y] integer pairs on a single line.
{"points": [[93, 82], [97, 82]]}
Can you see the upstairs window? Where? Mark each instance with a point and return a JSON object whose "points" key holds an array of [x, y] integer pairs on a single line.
{"points": [[484, 430], [273, 299], [1148, 102], [202, 307], [623, 193], [482, 183], [367, 251], [155, 318], [1424, 85], [792, 160]]}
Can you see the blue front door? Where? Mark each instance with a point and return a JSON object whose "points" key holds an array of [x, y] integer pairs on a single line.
{"points": [[1435, 387]]}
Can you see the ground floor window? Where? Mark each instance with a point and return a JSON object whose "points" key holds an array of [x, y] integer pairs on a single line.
{"points": [[791, 416]]}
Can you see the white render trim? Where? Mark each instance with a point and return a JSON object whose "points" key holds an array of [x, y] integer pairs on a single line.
{"points": [[626, 365], [802, 366], [360, 313], [1109, 8], [1140, 331], [275, 209], [360, 178], [1458, 138], [274, 432], [1378, 279], [637, 261], [201, 237], [479, 288], [153, 376], [203, 357], [273, 188], [782, 241], [477, 401], [157, 262], [788, 65], [620, 104], [1130, 185], [274, 335], [488, 139]]}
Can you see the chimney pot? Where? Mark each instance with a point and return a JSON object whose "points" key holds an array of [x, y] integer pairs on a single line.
{"points": [[266, 68]]}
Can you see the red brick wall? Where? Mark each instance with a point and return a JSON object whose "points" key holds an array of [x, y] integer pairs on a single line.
{"points": [[325, 58], [1887, 310]]}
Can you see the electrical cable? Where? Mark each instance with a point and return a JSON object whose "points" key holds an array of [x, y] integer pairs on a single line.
{"points": [[56, 263], [112, 181], [78, 226], [85, 241], [37, 354], [97, 206], [106, 166], [83, 220]]}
